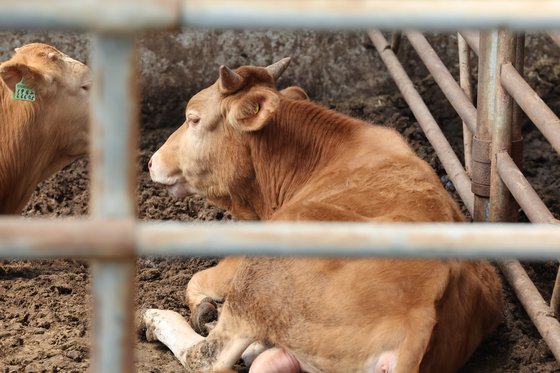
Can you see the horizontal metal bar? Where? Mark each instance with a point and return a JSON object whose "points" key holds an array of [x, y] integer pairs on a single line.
{"points": [[535, 108], [537, 309], [35, 238], [450, 88], [522, 191], [38, 238], [445, 153], [527, 241], [130, 15], [90, 15], [340, 14]]}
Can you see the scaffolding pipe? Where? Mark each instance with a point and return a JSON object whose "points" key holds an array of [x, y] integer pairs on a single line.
{"points": [[396, 38], [465, 76], [456, 96], [472, 38], [540, 114], [38, 238], [555, 298], [516, 131], [402, 14], [482, 142], [522, 190], [90, 15], [502, 205], [113, 184], [532, 301], [431, 129], [418, 240]]}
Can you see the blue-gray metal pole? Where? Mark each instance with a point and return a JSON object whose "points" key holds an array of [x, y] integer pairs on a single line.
{"points": [[113, 148]]}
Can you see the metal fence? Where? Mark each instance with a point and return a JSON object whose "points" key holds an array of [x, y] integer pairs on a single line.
{"points": [[492, 139], [112, 238]]}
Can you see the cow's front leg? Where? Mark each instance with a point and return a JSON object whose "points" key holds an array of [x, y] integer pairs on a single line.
{"points": [[206, 289], [219, 351], [171, 329]]}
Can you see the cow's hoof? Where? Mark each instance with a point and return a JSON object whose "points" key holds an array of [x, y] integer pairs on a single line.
{"points": [[205, 313], [145, 324]]}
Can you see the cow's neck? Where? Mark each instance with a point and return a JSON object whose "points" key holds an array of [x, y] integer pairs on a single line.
{"points": [[301, 139], [21, 159]]}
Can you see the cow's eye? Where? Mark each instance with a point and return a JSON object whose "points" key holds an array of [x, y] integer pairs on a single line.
{"points": [[193, 119]]}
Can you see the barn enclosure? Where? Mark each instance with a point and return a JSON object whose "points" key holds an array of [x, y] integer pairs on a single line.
{"points": [[111, 238]]}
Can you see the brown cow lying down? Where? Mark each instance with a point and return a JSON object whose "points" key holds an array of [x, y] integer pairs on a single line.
{"points": [[273, 155], [44, 123]]}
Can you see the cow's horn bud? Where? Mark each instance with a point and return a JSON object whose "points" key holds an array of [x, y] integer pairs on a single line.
{"points": [[277, 68], [230, 81]]}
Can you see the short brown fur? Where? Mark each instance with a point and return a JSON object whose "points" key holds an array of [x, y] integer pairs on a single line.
{"points": [[269, 156], [39, 138]]}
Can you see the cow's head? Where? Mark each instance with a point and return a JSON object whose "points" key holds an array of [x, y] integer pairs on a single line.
{"points": [[208, 155], [61, 85]]}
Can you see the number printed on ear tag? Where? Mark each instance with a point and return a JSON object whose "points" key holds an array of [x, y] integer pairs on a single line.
{"points": [[23, 92]]}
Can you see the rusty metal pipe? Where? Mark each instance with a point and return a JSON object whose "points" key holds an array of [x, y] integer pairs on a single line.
{"points": [[522, 190], [493, 131], [35, 238], [456, 96], [502, 205], [472, 38], [516, 135], [48, 238], [418, 240], [555, 298], [465, 76], [337, 14], [431, 129], [90, 15], [535, 108], [396, 38], [534, 304], [113, 184]]}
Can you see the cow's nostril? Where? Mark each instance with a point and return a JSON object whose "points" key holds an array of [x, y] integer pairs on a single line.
{"points": [[150, 163]]}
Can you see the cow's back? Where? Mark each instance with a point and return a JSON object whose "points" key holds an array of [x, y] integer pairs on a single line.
{"points": [[368, 173]]}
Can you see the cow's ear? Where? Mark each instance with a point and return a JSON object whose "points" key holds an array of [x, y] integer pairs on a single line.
{"points": [[14, 72], [295, 93], [253, 111]]}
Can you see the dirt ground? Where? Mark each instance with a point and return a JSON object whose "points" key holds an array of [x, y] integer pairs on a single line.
{"points": [[45, 305]]}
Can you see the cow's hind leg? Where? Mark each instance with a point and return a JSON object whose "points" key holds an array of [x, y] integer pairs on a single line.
{"points": [[219, 351]]}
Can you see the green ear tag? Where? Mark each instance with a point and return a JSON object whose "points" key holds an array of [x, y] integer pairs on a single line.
{"points": [[23, 92]]}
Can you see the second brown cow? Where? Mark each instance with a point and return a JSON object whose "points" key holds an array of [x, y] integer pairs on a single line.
{"points": [[273, 155], [44, 119]]}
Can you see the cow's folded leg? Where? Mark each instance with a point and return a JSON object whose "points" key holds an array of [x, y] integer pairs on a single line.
{"points": [[171, 329], [219, 351], [204, 313], [207, 288]]}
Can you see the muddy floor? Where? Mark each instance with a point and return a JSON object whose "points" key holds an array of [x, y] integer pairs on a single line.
{"points": [[45, 305]]}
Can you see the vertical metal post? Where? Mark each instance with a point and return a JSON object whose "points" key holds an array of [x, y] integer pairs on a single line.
{"points": [[493, 133], [516, 137], [481, 141], [465, 76], [502, 204], [114, 137]]}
